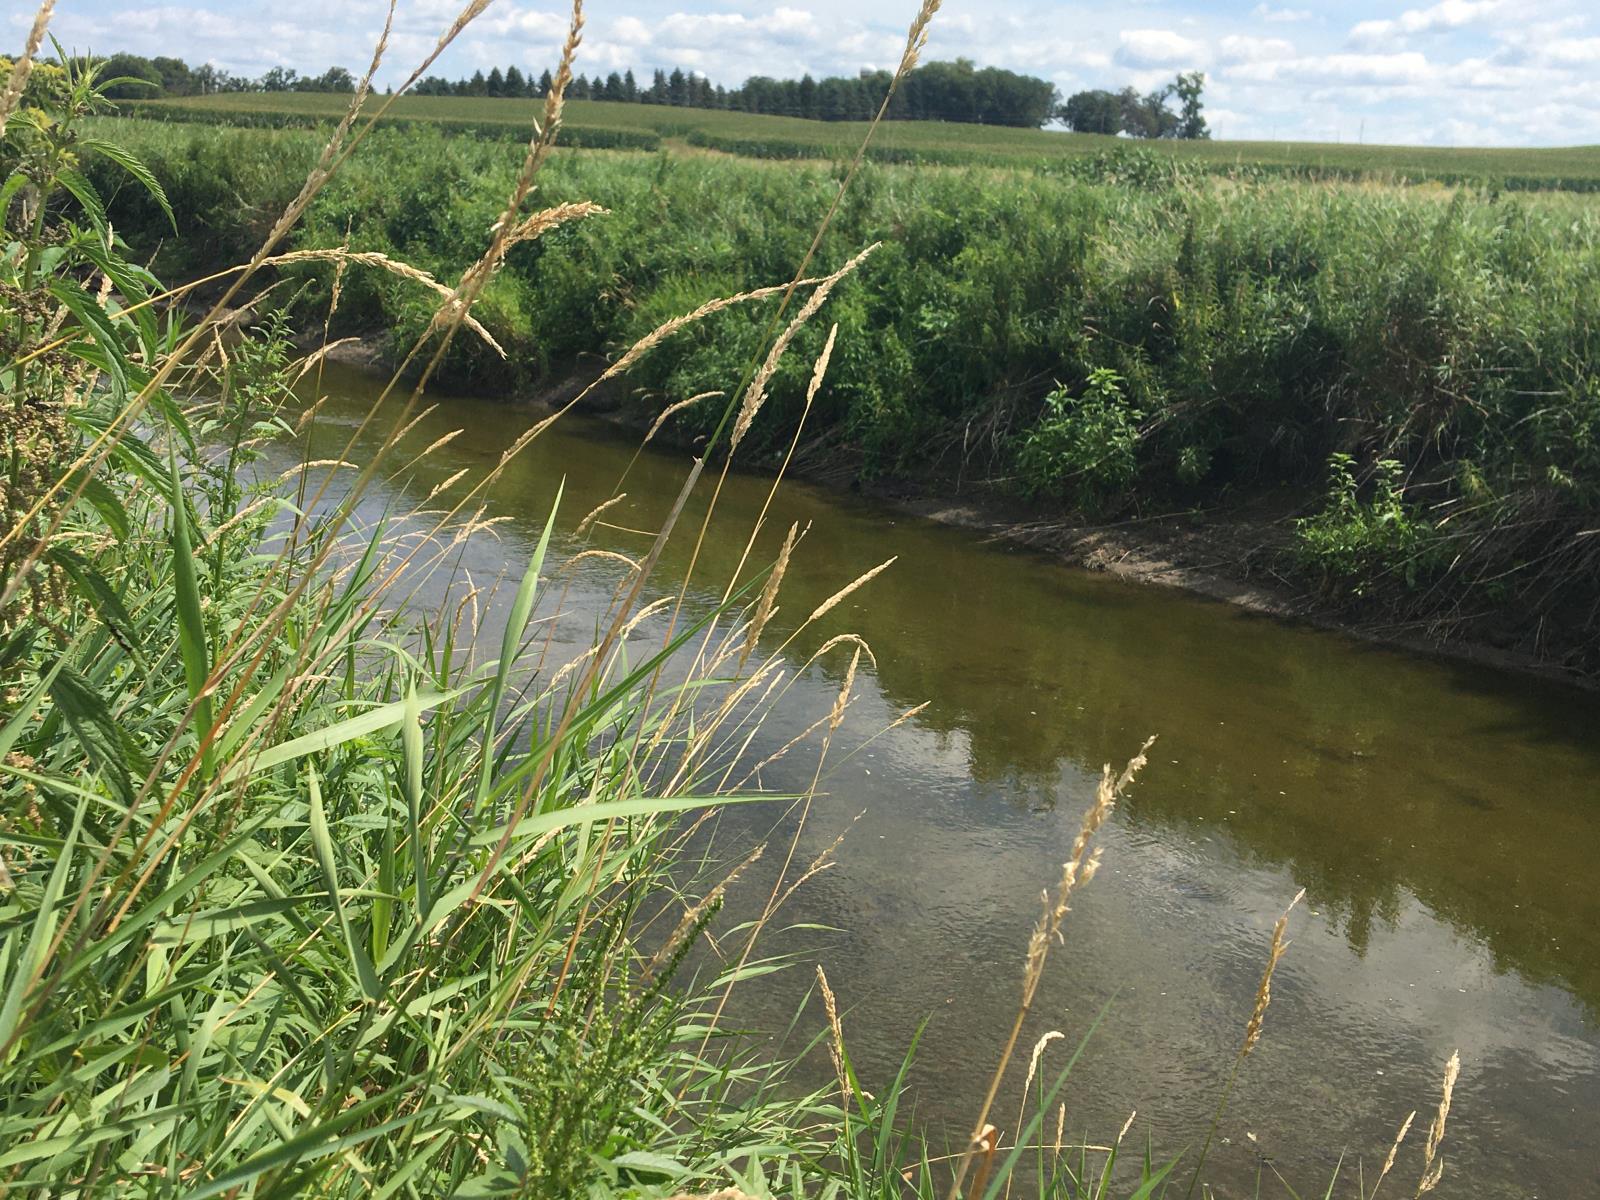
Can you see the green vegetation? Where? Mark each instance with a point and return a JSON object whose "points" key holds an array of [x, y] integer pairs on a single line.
{"points": [[1257, 330], [1091, 439], [304, 891], [295, 896], [753, 135]]}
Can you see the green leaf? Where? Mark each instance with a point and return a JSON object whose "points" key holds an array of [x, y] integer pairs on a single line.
{"points": [[316, 1142], [385, 716], [30, 963], [411, 743], [102, 597], [192, 638], [654, 1164], [97, 324], [580, 814], [100, 496], [130, 163], [511, 642], [104, 742], [83, 191], [323, 841]]}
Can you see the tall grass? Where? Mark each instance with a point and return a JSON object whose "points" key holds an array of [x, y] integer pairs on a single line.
{"points": [[302, 894], [303, 891]]}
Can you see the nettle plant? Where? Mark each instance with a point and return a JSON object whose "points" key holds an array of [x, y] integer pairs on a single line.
{"points": [[1085, 445], [1364, 535]]}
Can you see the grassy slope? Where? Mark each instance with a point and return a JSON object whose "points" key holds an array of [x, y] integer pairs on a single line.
{"points": [[794, 137], [1259, 332]]}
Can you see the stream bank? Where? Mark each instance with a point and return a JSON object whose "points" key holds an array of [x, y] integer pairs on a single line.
{"points": [[1235, 555]]}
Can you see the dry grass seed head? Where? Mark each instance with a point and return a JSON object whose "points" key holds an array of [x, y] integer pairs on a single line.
{"points": [[769, 594], [1126, 1125], [692, 914], [917, 37], [23, 67], [1033, 1064], [821, 367], [672, 410], [1252, 1030], [842, 702], [836, 1032], [1394, 1150], [508, 229], [756, 394], [821, 862], [859, 581], [465, 17], [341, 257], [1077, 871], [323, 170], [594, 513], [1432, 1164], [320, 354], [667, 328]]}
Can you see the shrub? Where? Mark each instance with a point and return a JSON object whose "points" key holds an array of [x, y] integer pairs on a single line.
{"points": [[1084, 445], [1358, 545]]}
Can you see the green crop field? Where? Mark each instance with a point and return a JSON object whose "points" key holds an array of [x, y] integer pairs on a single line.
{"points": [[604, 124]]}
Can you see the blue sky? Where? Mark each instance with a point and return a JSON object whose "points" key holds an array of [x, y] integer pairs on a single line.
{"points": [[1455, 72]]}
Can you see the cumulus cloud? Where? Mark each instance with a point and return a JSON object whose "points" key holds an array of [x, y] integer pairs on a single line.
{"points": [[1239, 49], [1141, 48], [1440, 18], [1407, 68], [1572, 52]]}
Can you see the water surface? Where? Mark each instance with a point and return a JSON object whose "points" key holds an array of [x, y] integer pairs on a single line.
{"points": [[1443, 818]]}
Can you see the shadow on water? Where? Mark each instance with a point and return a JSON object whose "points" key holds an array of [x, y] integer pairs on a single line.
{"points": [[1443, 819]]}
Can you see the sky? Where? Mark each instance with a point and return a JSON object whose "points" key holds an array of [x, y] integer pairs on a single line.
{"points": [[1452, 73]]}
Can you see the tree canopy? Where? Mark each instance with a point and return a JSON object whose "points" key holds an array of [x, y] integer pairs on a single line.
{"points": [[1146, 116]]}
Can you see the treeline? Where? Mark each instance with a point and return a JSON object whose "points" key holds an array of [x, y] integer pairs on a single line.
{"points": [[956, 91], [141, 78]]}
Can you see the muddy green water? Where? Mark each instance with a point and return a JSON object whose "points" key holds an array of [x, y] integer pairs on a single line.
{"points": [[1443, 819]]}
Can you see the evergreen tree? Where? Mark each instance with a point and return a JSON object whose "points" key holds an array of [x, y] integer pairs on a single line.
{"points": [[495, 85], [545, 84], [677, 88], [630, 87], [515, 84], [808, 97]]}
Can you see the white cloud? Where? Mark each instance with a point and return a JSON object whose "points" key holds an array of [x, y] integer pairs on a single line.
{"points": [[1239, 49], [1407, 68], [1440, 18], [1158, 48], [1573, 52], [1265, 12]]}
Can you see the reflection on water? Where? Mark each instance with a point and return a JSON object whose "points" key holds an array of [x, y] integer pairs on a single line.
{"points": [[1443, 819]]}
